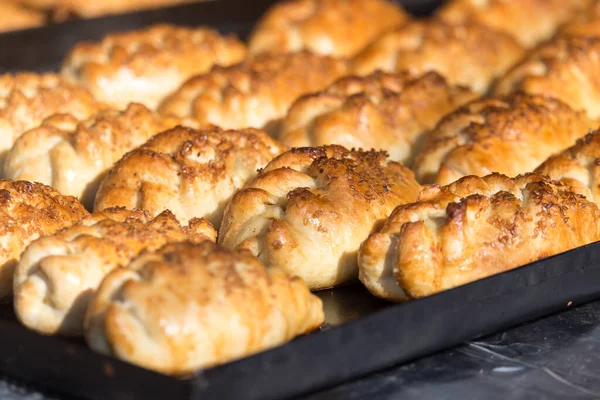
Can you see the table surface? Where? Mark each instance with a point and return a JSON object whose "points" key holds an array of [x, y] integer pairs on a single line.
{"points": [[556, 357]]}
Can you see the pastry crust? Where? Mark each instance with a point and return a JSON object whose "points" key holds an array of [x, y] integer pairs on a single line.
{"points": [[383, 111], [28, 211], [192, 173], [146, 65], [530, 21], [586, 24], [470, 55], [509, 135], [336, 27], [255, 93], [57, 275], [566, 69], [14, 17], [187, 307], [73, 156], [26, 99], [310, 208], [471, 229]]}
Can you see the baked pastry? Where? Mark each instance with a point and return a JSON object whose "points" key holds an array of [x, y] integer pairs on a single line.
{"points": [[578, 167], [192, 173], [13, 17], [255, 93], [336, 27], [28, 211], [310, 208], [26, 99], [530, 21], [380, 111], [214, 305], [566, 69], [146, 65], [471, 229], [58, 274], [586, 23], [509, 135], [72, 156], [470, 55]]}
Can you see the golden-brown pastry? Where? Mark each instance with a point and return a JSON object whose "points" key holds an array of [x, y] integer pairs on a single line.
{"points": [[336, 27], [310, 208], [186, 307], [509, 135], [146, 65], [72, 156], [192, 173], [58, 274], [380, 111], [13, 17], [26, 99], [28, 211], [255, 93], [566, 69], [471, 229], [586, 24], [530, 21], [470, 55]]}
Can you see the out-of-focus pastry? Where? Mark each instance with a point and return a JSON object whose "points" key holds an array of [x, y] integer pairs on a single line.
{"points": [[469, 54], [13, 17], [72, 156], [586, 24], [566, 69], [511, 135], [471, 229], [26, 99], [191, 306], [58, 274], [146, 65], [28, 211], [530, 21], [192, 173], [310, 208], [380, 111], [578, 166], [336, 27], [255, 93]]}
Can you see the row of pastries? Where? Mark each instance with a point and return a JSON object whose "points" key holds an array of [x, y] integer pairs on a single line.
{"points": [[173, 194]]}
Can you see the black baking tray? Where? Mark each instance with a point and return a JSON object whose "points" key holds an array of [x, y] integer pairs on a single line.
{"points": [[362, 334]]}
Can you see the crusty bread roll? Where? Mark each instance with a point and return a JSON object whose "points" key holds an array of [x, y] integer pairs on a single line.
{"points": [[255, 93], [565, 68], [58, 274], [26, 99], [335, 27], [146, 65], [28, 211], [72, 156], [471, 229], [509, 135], [470, 55], [530, 21], [380, 111], [193, 173], [310, 208], [13, 17], [186, 307]]}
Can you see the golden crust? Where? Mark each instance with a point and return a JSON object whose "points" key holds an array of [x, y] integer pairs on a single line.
{"points": [[13, 17], [28, 211], [310, 208], [146, 65], [73, 156], [510, 136], [471, 229], [469, 54], [380, 111], [192, 173], [255, 93], [566, 69], [187, 307], [57, 275], [530, 21], [335, 27], [586, 24]]}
